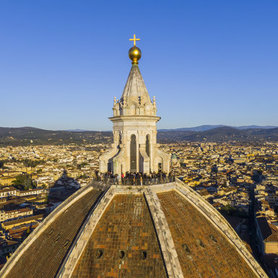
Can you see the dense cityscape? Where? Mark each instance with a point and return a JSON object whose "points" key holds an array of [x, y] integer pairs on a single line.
{"points": [[240, 180]]}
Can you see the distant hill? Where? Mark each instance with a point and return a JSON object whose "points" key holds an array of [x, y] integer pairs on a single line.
{"points": [[256, 126], [221, 134], [196, 128], [208, 127], [36, 136]]}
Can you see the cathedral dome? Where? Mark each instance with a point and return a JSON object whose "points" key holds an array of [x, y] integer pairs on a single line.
{"points": [[134, 54], [157, 231]]}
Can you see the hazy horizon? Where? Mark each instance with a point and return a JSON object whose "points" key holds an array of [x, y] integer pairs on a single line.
{"points": [[109, 130]]}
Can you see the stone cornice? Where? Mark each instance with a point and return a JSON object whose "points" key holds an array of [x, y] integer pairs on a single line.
{"points": [[134, 118]]}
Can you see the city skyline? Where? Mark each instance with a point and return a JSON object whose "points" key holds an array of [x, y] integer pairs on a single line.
{"points": [[62, 63]]}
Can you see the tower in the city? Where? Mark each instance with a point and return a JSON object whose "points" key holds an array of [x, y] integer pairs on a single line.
{"points": [[135, 148]]}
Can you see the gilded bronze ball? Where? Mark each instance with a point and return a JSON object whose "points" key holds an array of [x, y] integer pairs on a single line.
{"points": [[134, 54]]}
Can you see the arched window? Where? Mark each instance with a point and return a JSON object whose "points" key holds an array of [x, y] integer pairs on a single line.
{"points": [[148, 145], [133, 165]]}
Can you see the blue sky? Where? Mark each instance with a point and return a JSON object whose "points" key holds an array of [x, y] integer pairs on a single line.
{"points": [[207, 62]]}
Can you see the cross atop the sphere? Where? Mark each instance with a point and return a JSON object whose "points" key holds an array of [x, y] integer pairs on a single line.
{"points": [[134, 40]]}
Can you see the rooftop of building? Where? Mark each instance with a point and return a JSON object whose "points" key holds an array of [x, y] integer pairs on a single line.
{"points": [[269, 231]]}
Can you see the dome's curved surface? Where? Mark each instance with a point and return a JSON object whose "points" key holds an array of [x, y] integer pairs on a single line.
{"points": [[158, 231], [124, 241], [202, 250], [41, 254]]}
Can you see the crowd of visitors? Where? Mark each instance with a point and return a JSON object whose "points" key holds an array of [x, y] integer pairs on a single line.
{"points": [[134, 178]]}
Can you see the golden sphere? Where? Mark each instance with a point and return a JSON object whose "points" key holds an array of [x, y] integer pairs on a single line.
{"points": [[134, 54]]}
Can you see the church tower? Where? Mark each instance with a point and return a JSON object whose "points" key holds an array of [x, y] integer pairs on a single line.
{"points": [[135, 148]]}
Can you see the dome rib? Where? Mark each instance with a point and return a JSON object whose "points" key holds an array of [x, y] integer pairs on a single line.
{"points": [[165, 238]]}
